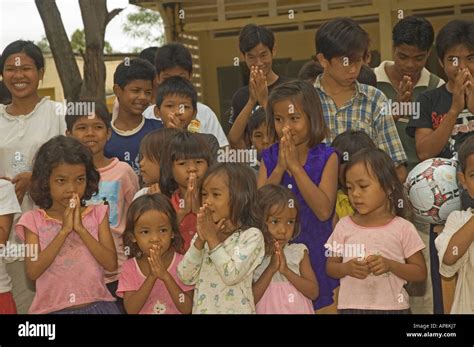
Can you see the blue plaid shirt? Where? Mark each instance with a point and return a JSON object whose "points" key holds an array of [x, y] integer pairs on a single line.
{"points": [[363, 112]]}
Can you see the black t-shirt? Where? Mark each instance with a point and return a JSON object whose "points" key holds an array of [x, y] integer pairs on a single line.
{"points": [[434, 105], [241, 97]]}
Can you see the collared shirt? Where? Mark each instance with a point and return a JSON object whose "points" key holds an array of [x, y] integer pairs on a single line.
{"points": [[364, 111]]}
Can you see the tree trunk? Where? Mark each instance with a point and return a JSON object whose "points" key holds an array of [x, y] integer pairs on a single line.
{"points": [[61, 48]]}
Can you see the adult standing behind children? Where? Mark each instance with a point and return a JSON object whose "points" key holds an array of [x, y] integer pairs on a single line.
{"points": [[341, 48], [25, 124]]}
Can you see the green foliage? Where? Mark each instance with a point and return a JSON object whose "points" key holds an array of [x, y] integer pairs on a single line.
{"points": [[78, 42], [144, 24]]}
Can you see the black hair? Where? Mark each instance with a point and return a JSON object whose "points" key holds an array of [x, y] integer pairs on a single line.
{"points": [[413, 31], [60, 150], [342, 37], [301, 93], [251, 35], [381, 166], [310, 71], [100, 111], [465, 150], [152, 144], [21, 46], [149, 54], [275, 195], [176, 86], [367, 76], [133, 69], [242, 183], [350, 142], [173, 55], [183, 145], [258, 118], [141, 205], [455, 33], [5, 95]]}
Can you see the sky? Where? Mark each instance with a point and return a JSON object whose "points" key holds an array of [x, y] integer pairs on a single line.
{"points": [[19, 19]]}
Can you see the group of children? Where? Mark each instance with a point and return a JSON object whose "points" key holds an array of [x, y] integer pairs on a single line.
{"points": [[135, 212]]}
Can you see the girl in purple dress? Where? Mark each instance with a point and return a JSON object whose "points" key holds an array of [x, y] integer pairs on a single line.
{"points": [[300, 161]]}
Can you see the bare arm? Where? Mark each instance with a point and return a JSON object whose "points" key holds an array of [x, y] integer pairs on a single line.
{"points": [[306, 283], [459, 243], [5, 227], [236, 133]]}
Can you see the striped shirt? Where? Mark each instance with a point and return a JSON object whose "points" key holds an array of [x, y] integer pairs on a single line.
{"points": [[364, 111]]}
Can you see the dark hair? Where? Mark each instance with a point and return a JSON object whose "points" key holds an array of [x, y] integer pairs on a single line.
{"points": [[149, 54], [258, 118], [413, 31], [382, 168], [242, 183], [304, 94], [251, 35], [5, 95], [176, 85], [310, 70], [342, 37], [21, 46], [60, 150], [455, 33], [100, 110], [153, 143], [139, 206], [183, 145], [173, 55], [273, 195], [350, 142], [465, 150], [367, 76], [134, 69]]}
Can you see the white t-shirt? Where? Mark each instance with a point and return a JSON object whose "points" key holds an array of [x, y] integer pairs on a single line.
{"points": [[22, 136], [8, 205], [209, 122], [141, 192], [464, 267]]}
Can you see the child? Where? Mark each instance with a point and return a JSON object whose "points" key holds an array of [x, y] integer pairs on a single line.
{"points": [[8, 207], [285, 281], [149, 283], [174, 59], [310, 70], [347, 144], [455, 244], [301, 162], [151, 151], [228, 246], [342, 48], [376, 251], [176, 105], [186, 159], [133, 85], [118, 182], [75, 244]]}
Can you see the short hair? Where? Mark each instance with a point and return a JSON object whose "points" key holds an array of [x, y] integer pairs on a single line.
{"points": [[303, 93], [367, 76], [382, 167], [183, 145], [310, 71], [242, 184], [413, 31], [153, 143], [350, 142], [60, 150], [173, 55], [341, 37], [251, 35], [258, 118], [140, 206], [132, 70], [456, 32], [273, 195], [149, 54], [465, 150], [21, 46], [100, 110], [176, 85]]}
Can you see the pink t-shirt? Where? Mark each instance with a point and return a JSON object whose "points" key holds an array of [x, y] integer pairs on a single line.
{"points": [[159, 301], [396, 240], [187, 227], [118, 184], [74, 277]]}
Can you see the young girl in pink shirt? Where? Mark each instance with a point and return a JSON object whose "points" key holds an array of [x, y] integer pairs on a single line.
{"points": [[375, 251], [72, 244]]}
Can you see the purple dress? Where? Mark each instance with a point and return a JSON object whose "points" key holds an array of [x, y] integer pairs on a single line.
{"points": [[314, 233]]}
